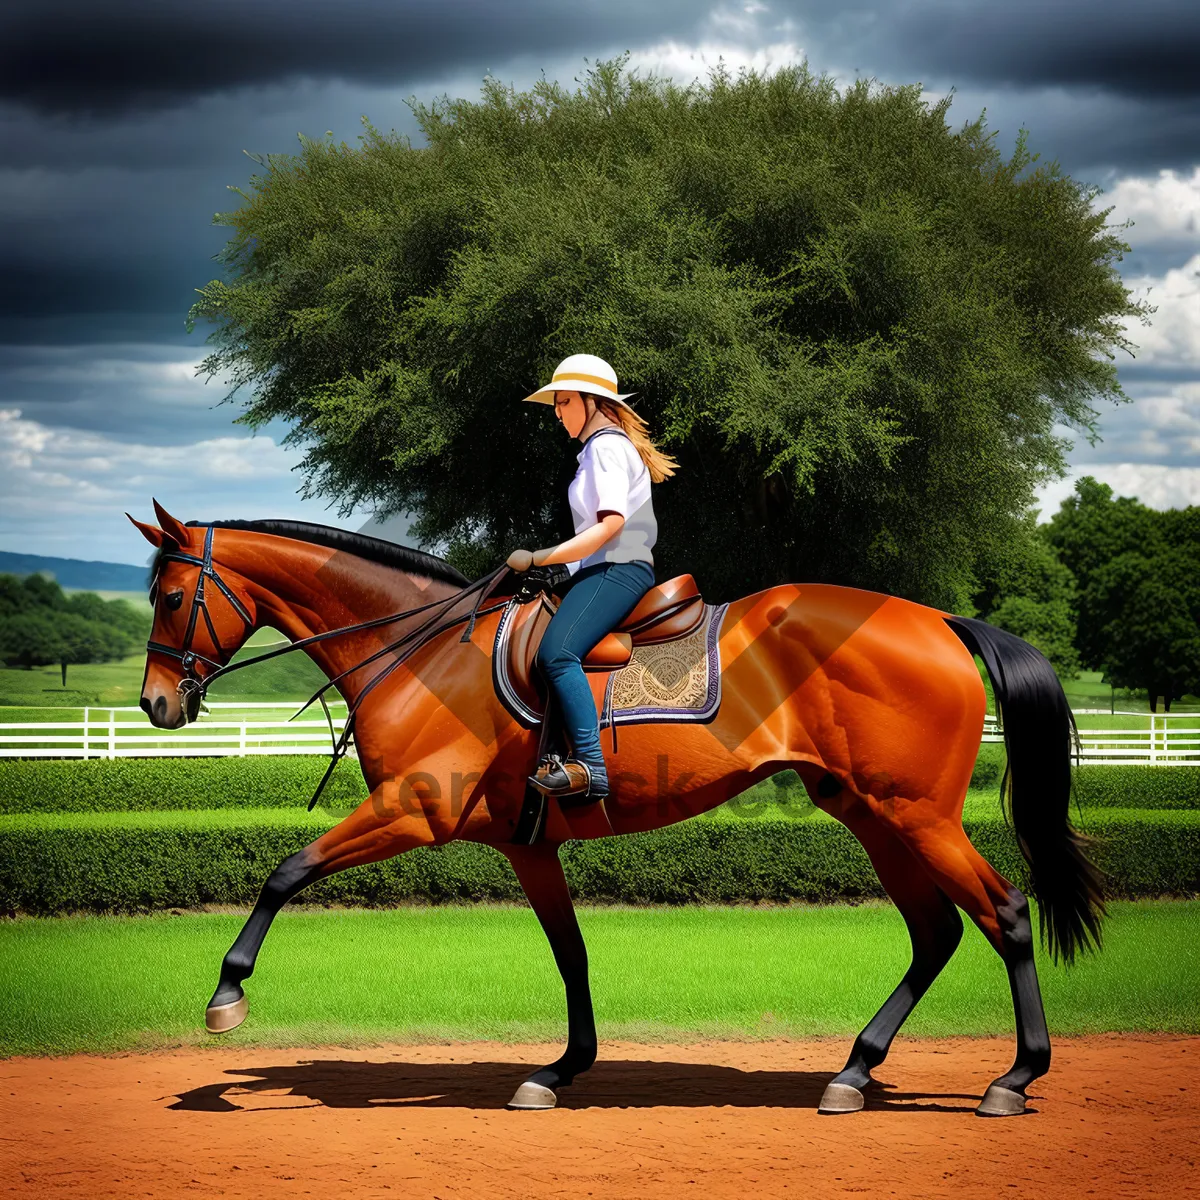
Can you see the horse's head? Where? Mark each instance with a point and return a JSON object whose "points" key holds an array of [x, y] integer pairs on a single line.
{"points": [[202, 616]]}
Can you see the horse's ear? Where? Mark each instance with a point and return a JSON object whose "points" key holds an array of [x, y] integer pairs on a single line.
{"points": [[176, 530], [151, 533]]}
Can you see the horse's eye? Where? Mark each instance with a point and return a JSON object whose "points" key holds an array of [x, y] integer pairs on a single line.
{"points": [[174, 600]]}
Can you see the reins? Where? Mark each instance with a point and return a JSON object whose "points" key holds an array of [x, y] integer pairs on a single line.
{"points": [[193, 686]]}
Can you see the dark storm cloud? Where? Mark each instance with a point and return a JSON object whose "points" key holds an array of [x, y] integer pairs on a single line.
{"points": [[89, 329], [72, 56], [85, 240], [1147, 49], [128, 392]]}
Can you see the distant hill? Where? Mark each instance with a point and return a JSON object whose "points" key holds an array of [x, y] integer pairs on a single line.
{"points": [[75, 573]]}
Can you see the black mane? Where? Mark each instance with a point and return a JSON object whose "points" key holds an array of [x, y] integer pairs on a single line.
{"points": [[416, 562]]}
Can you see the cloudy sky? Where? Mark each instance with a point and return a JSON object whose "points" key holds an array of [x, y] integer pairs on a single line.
{"points": [[122, 127]]}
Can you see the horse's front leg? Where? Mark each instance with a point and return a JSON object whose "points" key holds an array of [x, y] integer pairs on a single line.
{"points": [[541, 875], [379, 828]]}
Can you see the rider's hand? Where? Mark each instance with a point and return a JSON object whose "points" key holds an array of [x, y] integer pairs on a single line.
{"points": [[520, 560]]}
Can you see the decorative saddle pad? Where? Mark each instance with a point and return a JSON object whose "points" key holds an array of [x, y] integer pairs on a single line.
{"points": [[677, 679]]}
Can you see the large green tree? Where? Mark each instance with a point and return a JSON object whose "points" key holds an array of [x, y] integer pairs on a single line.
{"points": [[853, 326], [1151, 634], [1091, 529], [84, 641], [1138, 597], [29, 639], [1033, 595]]}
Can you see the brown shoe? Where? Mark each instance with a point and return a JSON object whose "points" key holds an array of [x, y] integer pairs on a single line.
{"points": [[548, 763], [555, 777]]}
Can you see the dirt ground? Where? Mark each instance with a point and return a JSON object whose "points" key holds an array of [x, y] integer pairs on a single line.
{"points": [[1116, 1116]]}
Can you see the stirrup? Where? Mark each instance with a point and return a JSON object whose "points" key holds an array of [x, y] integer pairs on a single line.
{"points": [[549, 761], [553, 778]]}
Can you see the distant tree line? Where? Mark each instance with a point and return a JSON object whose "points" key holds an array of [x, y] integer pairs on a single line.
{"points": [[40, 625], [1108, 585]]}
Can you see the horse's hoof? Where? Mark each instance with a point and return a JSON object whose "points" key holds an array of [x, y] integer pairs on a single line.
{"points": [[221, 1018], [840, 1098], [1000, 1102], [533, 1095]]}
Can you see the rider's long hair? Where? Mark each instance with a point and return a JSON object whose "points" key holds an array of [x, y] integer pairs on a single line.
{"points": [[661, 466]]}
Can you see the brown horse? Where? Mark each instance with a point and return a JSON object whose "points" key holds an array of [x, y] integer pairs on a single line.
{"points": [[875, 701]]}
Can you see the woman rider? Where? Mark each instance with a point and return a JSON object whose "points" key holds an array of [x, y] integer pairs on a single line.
{"points": [[609, 557]]}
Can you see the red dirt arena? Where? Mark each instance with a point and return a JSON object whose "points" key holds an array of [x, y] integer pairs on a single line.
{"points": [[1116, 1116]]}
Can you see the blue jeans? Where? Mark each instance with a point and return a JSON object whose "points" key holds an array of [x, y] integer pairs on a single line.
{"points": [[600, 597]]}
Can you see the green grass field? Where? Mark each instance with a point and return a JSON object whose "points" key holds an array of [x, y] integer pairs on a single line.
{"points": [[473, 972], [1088, 691]]}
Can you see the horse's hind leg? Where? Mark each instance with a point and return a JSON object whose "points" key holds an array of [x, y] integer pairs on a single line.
{"points": [[1002, 914], [934, 928], [371, 833]]}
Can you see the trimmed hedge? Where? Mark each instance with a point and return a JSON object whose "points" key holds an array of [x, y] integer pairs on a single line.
{"points": [[1138, 787], [288, 781], [989, 766], [159, 784], [137, 862]]}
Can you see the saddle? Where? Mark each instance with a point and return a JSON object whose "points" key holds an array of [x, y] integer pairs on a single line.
{"points": [[667, 611]]}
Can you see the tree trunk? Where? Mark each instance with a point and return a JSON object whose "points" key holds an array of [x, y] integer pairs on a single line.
{"points": [[1152, 691], [64, 673]]}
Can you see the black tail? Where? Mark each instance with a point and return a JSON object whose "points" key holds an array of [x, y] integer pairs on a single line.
{"points": [[1035, 792]]}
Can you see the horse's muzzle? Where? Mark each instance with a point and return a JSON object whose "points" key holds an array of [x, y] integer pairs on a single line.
{"points": [[160, 714]]}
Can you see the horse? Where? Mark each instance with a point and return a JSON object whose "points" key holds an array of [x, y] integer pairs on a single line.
{"points": [[875, 701]]}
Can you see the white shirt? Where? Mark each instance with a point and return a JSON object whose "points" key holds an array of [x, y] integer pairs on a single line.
{"points": [[612, 478]]}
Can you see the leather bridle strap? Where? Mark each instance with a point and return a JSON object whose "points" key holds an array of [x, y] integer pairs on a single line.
{"points": [[186, 655]]}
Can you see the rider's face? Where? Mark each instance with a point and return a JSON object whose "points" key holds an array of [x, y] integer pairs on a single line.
{"points": [[571, 411]]}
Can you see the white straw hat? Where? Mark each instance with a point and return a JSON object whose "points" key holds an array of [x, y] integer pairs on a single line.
{"points": [[582, 373]]}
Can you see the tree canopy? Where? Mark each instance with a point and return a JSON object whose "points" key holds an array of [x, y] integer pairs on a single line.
{"points": [[1034, 596], [1150, 604], [1089, 531], [854, 327], [1137, 600]]}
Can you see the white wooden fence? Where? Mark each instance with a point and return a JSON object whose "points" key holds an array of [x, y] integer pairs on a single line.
{"points": [[245, 729], [1171, 739], [1168, 739], [127, 733]]}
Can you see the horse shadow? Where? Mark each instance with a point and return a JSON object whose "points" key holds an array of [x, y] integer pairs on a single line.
{"points": [[337, 1083]]}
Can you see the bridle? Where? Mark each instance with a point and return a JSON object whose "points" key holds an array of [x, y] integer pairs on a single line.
{"points": [[192, 686]]}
